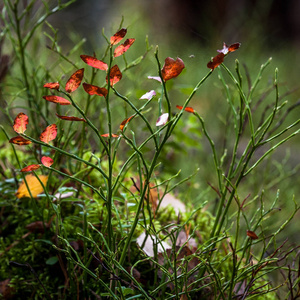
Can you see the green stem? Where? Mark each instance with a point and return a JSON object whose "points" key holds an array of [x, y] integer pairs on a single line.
{"points": [[23, 64], [65, 153], [212, 145], [109, 195]]}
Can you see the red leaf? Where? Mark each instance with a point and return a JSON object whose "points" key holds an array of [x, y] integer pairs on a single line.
{"points": [[172, 68], [20, 123], [70, 118], [118, 36], [125, 122], [216, 61], [30, 168], [19, 140], [162, 120], [234, 47], [47, 161], [123, 47], [94, 62], [252, 235], [74, 81], [49, 134], [94, 90], [188, 109], [57, 99], [112, 135], [115, 75], [52, 85]]}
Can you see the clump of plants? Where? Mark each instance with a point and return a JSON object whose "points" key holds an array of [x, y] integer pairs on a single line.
{"points": [[87, 210]]}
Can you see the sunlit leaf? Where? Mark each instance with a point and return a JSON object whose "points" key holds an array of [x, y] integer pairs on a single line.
{"points": [[52, 85], [20, 123], [216, 61], [162, 120], [49, 134], [34, 185], [115, 75], [157, 78], [252, 235], [149, 95], [70, 118], [125, 122], [94, 62], [74, 81], [94, 90], [107, 135], [188, 109], [47, 161], [172, 68], [19, 140], [121, 49], [30, 168], [118, 36], [57, 99]]}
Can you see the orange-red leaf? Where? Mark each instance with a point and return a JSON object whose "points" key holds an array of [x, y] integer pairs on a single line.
{"points": [[94, 90], [47, 161], [57, 99], [125, 122], [19, 140], [70, 118], [118, 36], [107, 135], [115, 75], [216, 61], [52, 85], [74, 81], [252, 235], [49, 134], [20, 123], [94, 62], [123, 47], [172, 68], [30, 168], [234, 47], [188, 109]]}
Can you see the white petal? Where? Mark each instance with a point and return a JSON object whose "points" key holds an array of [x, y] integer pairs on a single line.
{"points": [[149, 95], [155, 78], [148, 245], [224, 50], [162, 120]]}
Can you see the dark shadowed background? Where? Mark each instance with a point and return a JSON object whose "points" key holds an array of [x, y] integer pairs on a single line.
{"points": [[269, 23]]}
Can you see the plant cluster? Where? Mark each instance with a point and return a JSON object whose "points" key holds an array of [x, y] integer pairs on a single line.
{"points": [[96, 216]]}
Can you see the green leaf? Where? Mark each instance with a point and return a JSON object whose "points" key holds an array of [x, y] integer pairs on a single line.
{"points": [[44, 241], [52, 260]]}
